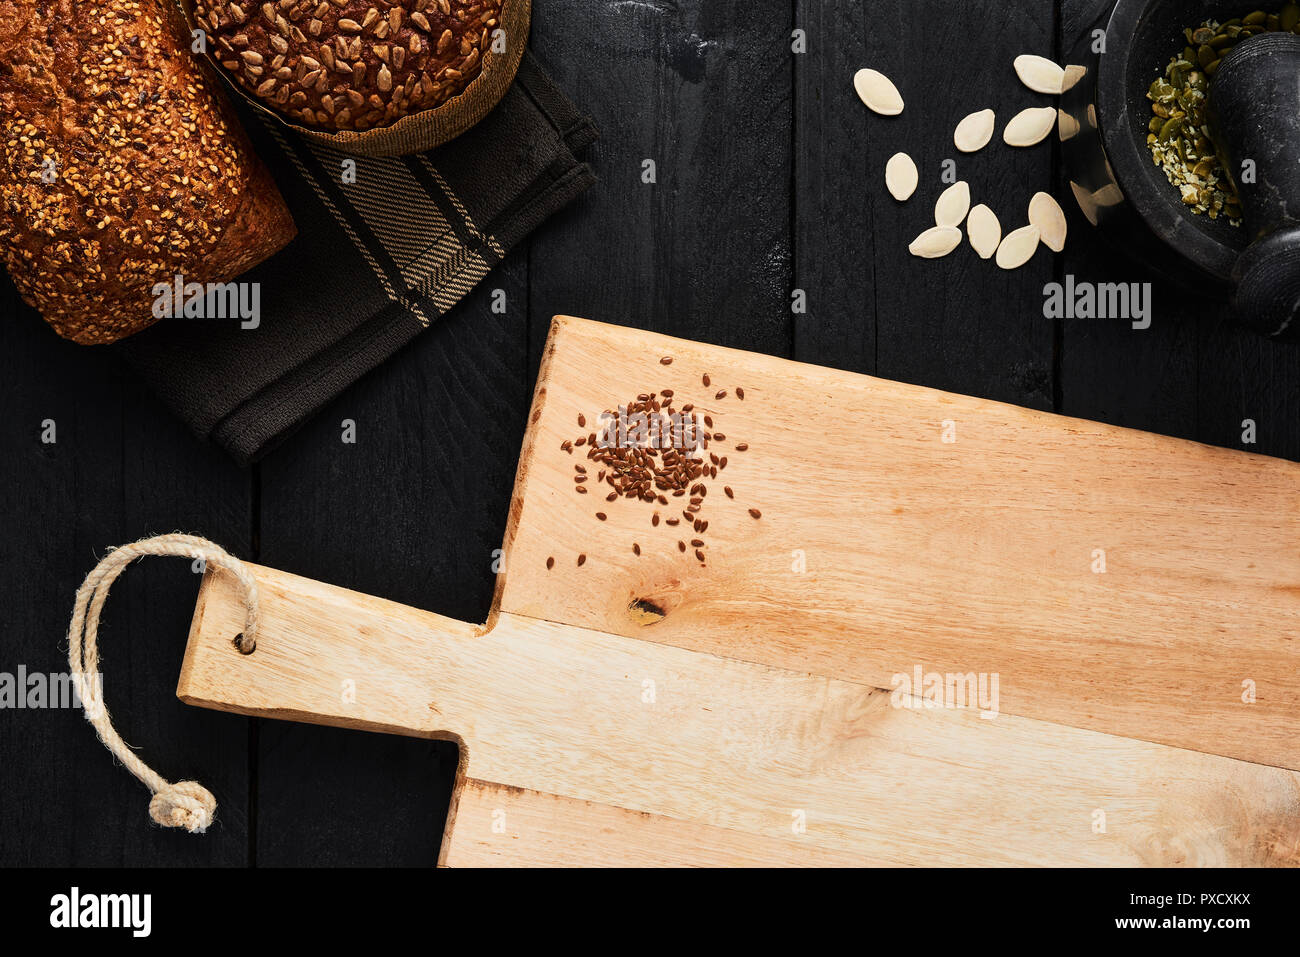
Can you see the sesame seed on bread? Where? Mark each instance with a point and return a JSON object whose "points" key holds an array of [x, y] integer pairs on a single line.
{"points": [[122, 165]]}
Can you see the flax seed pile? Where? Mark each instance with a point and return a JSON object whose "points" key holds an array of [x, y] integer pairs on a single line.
{"points": [[670, 482]]}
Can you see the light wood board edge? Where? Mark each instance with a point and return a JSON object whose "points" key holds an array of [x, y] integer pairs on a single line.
{"points": [[426, 676], [1268, 743], [793, 369], [525, 462], [500, 825]]}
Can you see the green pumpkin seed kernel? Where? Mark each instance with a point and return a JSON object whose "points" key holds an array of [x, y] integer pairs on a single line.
{"points": [[1177, 133]]}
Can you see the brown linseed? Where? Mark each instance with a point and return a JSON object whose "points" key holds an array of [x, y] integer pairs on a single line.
{"points": [[664, 457]]}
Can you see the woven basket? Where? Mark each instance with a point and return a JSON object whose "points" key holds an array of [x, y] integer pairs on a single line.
{"points": [[421, 131]]}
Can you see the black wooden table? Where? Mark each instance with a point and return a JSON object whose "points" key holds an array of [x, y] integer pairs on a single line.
{"points": [[769, 179]]}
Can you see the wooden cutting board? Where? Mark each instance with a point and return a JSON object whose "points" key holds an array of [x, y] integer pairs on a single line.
{"points": [[1137, 599]]}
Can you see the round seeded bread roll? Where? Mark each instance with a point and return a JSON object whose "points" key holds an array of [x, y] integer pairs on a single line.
{"points": [[350, 64]]}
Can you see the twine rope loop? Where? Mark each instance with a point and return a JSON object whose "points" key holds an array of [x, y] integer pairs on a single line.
{"points": [[186, 804]]}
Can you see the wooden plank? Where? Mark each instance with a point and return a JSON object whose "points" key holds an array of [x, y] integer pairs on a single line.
{"points": [[414, 511], [1137, 378], [1243, 379], [501, 826], [732, 744], [971, 556], [838, 188], [121, 468], [703, 91], [1109, 371], [957, 323]]}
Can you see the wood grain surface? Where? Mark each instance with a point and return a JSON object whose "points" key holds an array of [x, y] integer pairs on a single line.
{"points": [[602, 730], [769, 180], [501, 826], [883, 547], [120, 467]]}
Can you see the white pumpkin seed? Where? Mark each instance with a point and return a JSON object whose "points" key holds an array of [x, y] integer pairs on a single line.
{"points": [[1086, 204], [1017, 247], [1067, 127], [900, 176], [1108, 195], [935, 242], [1029, 126], [953, 204], [1073, 73], [1039, 74], [984, 230], [1045, 213], [974, 132], [876, 90]]}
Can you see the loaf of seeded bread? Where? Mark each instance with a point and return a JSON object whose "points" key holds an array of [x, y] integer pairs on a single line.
{"points": [[123, 166]]}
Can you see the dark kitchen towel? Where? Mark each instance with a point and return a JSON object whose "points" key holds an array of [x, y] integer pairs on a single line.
{"points": [[375, 262]]}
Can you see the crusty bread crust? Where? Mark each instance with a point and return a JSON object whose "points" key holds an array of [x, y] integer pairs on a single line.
{"points": [[122, 165], [257, 230]]}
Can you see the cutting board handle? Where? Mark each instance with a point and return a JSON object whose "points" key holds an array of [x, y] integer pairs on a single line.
{"points": [[324, 655]]}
